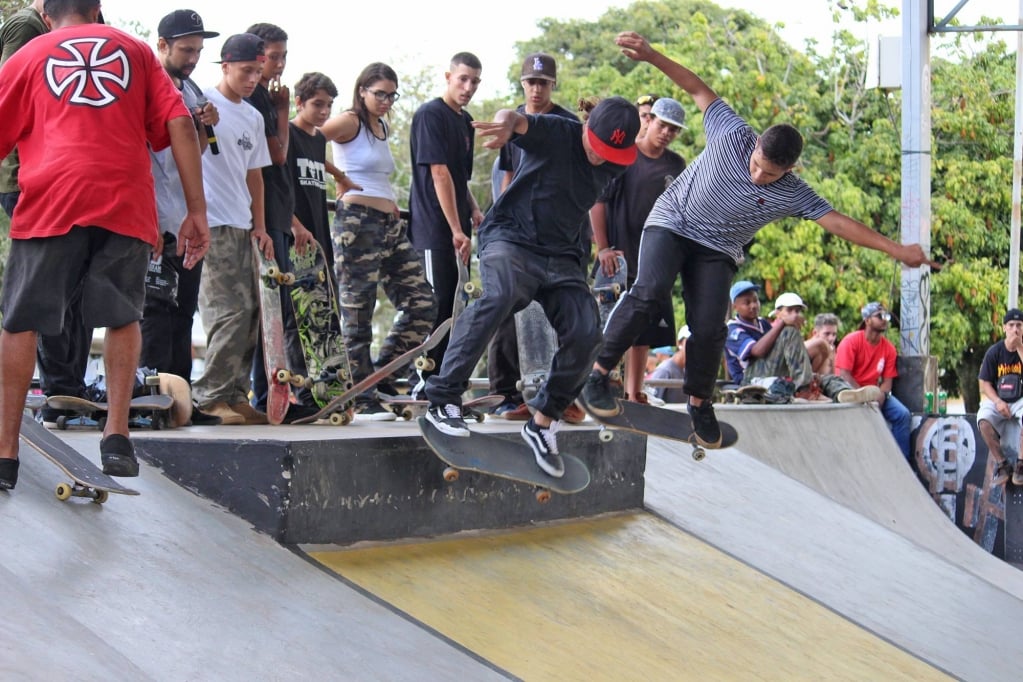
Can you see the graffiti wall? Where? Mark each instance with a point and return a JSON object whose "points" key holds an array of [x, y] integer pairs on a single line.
{"points": [[952, 461]]}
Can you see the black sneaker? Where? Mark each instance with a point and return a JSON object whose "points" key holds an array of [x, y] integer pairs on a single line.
{"points": [[297, 411], [597, 395], [118, 456], [448, 419], [8, 474], [545, 446], [200, 418], [373, 411], [705, 424]]}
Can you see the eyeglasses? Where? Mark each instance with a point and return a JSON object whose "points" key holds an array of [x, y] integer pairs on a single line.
{"points": [[646, 99], [383, 95]]}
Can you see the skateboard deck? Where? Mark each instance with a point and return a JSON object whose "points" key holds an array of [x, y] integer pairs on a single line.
{"points": [[609, 288], [157, 404], [335, 409], [406, 408], [748, 395], [465, 291], [271, 279], [537, 344], [87, 479], [486, 454], [657, 421], [318, 318]]}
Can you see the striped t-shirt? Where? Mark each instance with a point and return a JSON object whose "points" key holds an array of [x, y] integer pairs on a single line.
{"points": [[714, 201]]}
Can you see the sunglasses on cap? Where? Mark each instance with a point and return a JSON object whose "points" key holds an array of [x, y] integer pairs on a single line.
{"points": [[646, 99]]}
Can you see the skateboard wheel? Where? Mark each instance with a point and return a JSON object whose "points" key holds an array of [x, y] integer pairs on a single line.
{"points": [[102, 423], [273, 272], [480, 417], [699, 453], [340, 419], [101, 496], [63, 492], [614, 375], [543, 496], [152, 380], [616, 289], [321, 276], [450, 474], [297, 380], [287, 278], [605, 435], [61, 422], [469, 288], [425, 364], [283, 376], [406, 414]]}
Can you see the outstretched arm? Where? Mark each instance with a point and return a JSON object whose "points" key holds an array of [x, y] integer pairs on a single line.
{"points": [[506, 123], [856, 232], [636, 47]]}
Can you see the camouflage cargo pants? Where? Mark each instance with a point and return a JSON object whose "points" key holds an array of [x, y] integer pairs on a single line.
{"points": [[788, 358], [229, 309], [371, 249]]}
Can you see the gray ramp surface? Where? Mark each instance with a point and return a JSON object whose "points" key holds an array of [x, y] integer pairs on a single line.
{"points": [[923, 598], [168, 586]]}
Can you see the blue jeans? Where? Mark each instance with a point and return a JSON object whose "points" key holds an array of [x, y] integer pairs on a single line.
{"points": [[898, 418]]}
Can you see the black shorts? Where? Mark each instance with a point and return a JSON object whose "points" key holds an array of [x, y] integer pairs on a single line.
{"points": [[44, 274]]}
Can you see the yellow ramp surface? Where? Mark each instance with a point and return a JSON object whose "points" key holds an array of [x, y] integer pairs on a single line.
{"points": [[624, 597]]}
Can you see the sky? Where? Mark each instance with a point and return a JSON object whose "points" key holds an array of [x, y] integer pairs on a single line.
{"points": [[411, 36]]}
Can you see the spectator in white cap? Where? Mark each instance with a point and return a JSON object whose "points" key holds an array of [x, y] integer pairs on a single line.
{"points": [[618, 217], [771, 353]]}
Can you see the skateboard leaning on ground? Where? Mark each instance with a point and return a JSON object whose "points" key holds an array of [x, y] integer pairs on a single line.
{"points": [[318, 318], [145, 410], [609, 288], [746, 395], [87, 479], [335, 410], [465, 291], [278, 377], [537, 342], [407, 408], [657, 421], [486, 454]]}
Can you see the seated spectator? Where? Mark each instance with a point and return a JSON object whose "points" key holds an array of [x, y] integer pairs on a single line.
{"points": [[821, 344], [761, 351], [866, 358], [672, 368], [1001, 390]]}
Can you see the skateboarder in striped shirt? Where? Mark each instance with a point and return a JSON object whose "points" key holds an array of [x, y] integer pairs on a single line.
{"points": [[697, 229]]}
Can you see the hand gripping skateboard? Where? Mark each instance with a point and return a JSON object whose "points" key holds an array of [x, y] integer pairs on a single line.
{"points": [[274, 354], [335, 408], [406, 408], [538, 342], [87, 479], [318, 318], [656, 421], [609, 288], [503, 458], [156, 406], [465, 291]]}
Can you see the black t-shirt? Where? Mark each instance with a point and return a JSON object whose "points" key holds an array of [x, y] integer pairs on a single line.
{"points": [[999, 361], [278, 194], [552, 191], [439, 136], [629, 198], [307, 156]]}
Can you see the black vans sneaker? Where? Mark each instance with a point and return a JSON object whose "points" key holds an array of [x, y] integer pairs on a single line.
{"points": [[373, 411], [545, 446], [705, 424], [118, 456], [597, 396], [8, 474], [448, 419]]}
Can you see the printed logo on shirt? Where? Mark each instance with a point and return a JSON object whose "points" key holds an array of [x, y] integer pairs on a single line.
{"points": [[1005, 368], [96, 76], [245, 142], [880, 367]]}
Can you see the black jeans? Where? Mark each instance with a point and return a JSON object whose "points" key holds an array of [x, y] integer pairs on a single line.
{"points": [[706, 277], [511, 278]]}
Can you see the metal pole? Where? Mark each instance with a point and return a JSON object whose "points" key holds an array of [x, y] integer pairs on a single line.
{"points": [[1017, 172]]}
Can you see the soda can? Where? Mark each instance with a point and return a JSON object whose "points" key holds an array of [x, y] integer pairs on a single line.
{"points": [[942, 402], [929, 402]]}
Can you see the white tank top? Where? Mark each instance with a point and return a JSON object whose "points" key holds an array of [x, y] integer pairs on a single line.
{"points": [[368, 162]]}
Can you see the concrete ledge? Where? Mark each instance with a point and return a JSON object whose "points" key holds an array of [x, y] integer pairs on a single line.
{"points": [[351, 489]]}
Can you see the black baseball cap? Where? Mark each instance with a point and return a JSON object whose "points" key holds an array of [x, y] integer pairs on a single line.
{"points": [[611, 130], [242, 47], [181, 23], [1013, 315]]}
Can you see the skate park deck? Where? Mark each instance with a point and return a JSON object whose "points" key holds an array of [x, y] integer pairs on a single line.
{"points": [[756, 563]]}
